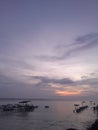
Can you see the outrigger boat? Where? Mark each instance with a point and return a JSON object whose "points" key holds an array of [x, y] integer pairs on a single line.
{"points": [[21, 106]]}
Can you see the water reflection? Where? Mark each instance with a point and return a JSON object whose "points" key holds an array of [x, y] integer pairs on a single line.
{"points": [[59, 116]]}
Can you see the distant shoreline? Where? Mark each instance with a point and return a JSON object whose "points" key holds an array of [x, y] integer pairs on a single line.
{"points": [[51, 99], [46, 99]]}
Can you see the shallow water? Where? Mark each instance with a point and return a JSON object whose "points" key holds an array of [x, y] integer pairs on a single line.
{"points": [[59, 116]]}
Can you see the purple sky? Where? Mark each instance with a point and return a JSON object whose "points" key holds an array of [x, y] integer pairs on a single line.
{"points": [[49, 49]]}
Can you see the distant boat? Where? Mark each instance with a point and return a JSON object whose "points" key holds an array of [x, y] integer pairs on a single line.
{"points": [[46, 106], [76, 104], [24, 101], [25, 106], [21, 106], [83, 102]]}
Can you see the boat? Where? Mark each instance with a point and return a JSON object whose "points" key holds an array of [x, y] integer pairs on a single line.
{"points": [[46, 106], [21, 106]]}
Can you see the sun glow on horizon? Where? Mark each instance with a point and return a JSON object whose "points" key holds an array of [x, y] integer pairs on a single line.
{"points": [[67, 93]]}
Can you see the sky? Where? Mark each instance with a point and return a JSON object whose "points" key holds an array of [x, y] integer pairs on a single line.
{"points": [[49, 49]]}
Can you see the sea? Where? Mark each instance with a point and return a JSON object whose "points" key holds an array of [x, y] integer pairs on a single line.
{"points": [[59, 116]]}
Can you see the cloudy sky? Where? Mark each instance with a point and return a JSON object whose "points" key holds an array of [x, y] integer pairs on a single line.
{"points": [[49, 49]]}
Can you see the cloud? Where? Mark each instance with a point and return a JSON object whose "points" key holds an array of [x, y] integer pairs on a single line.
{"points": [[47, 87], [10, 88], [90, 81], [67, 85], [51, 80], [87, 39], [85, 80], [80, 44], [16, 63]]}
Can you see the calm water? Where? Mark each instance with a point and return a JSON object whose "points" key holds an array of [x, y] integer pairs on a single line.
{"points": [[59, 116]]}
